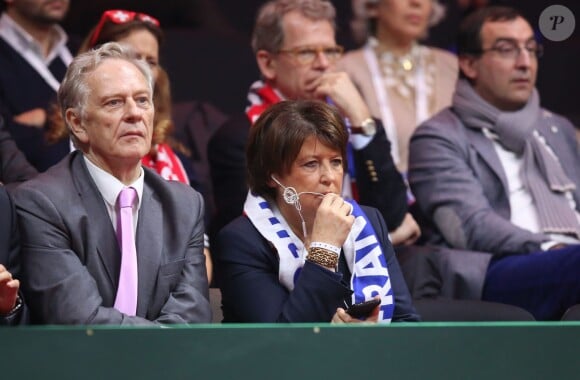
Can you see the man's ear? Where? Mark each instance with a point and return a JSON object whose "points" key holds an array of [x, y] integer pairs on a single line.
{"points": [[468, 66], [75, 123], [267, 64]]}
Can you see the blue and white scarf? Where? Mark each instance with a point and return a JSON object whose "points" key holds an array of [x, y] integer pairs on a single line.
{"points": [[362, 250]]}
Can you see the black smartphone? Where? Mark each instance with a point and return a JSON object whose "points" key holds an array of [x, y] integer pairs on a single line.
{"points": [[363, 309]]}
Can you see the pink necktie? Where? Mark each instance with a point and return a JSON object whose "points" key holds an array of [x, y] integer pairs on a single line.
{"points": [[126, 300]]}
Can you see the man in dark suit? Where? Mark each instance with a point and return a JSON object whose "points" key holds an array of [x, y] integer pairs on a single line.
{"points": [[11, 305], [74, 269], [14, 169], [34, 54], [296, 51]]}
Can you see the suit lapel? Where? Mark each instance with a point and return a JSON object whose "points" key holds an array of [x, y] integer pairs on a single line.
{"points": [[149, 246], [484, 147], [101, 228]]}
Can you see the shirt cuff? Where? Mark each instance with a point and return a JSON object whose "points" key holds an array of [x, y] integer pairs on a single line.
{"points": [[360, 141], [547, 245]]}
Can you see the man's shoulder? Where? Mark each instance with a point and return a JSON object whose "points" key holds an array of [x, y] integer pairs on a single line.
{"points": [[443, 122], [170, 189], [444, 129], [555, 119], [557, 128], [56, 188], [54, 180]]}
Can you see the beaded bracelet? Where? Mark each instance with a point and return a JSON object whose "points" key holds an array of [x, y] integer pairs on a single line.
{"points": [[330, 247], [323, 257]]}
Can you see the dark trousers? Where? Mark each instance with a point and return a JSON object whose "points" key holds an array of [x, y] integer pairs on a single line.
{"points": [[544, 283]]}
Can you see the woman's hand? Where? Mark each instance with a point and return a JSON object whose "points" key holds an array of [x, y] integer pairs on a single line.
{"points": [[333, 221], [341, 316], [8, 291]]}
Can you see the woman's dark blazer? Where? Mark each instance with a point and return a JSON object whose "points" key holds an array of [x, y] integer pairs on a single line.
{"points": [[247, 273]]}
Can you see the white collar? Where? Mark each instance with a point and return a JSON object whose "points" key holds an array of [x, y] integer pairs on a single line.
{"points": [[109, 186], [21, 40]]}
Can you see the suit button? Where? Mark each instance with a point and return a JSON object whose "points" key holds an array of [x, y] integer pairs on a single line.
{"points": [[554, 129]]}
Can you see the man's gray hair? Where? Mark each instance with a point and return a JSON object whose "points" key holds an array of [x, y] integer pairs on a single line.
{"points": [[268, 32], [74, 90]]}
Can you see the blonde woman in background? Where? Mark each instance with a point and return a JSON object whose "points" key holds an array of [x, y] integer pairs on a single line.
{"points": [[402, 81]]}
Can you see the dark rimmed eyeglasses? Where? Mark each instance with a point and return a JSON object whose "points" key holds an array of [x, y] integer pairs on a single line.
{"points": [[308, 54], [511, 50], [119, 16]]}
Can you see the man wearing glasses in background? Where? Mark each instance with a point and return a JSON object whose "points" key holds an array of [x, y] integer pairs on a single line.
{"points": [[295, 47], [497, 173]]}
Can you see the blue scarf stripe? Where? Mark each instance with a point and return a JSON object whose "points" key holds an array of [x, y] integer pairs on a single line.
{"points": [[364, 251], [387, 310], [295, 251], [370, 273], [370, 276], [281, 233]]}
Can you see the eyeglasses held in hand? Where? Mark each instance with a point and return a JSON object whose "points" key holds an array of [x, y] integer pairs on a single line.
{"points": [[511, 50], [119, 16], [307, 55]]}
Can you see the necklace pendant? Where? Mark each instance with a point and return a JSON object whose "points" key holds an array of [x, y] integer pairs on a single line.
{"points": [[407, 64]]}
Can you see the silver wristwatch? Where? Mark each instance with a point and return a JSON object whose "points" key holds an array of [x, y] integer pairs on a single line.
{"points": [[368, 128]]}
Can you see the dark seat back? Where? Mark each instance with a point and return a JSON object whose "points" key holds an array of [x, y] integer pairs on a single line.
{"points": [[448, 310], [195, 122]]}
